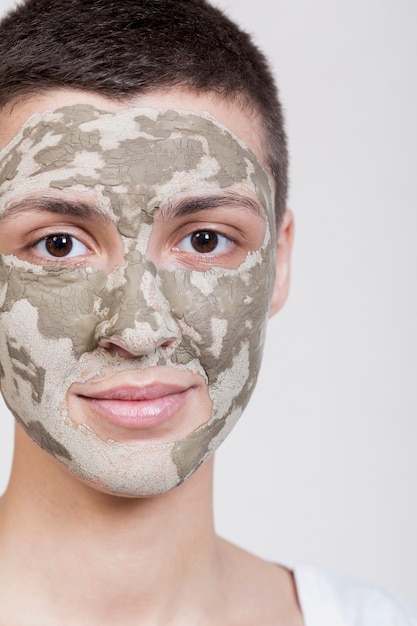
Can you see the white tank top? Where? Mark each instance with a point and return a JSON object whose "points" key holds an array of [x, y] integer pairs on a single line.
{"points": [[332, 600]]}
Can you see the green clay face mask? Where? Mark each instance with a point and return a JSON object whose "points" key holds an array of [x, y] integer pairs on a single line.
{"points": [[59, 323]]}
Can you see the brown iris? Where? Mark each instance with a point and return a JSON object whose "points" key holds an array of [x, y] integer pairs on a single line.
{"points": [[204, 241], [58, 245]]}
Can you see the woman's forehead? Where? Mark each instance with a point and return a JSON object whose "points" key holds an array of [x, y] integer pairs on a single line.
{"points": [[144, 152]]}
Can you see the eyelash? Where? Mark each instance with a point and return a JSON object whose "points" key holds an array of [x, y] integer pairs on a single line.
{"points": [[70, 240], [202, 237]]}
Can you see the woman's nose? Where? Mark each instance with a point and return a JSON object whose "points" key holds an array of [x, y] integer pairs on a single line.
{"points": [[139, 319]]}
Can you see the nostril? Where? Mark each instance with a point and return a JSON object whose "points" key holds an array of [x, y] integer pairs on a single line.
{"points": [[131, 345], [116, 348], [166, 343]]}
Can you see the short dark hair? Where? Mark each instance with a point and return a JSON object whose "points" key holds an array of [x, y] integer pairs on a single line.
{"points": [[122, 48]]}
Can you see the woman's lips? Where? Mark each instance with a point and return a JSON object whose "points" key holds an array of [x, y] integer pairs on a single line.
{"points": [[138, 407]]}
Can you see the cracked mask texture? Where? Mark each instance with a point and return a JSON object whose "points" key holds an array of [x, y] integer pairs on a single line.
{"points": [[52, 318]]}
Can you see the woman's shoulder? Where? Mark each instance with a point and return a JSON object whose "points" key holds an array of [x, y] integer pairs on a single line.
{"points": [[329, 599]]}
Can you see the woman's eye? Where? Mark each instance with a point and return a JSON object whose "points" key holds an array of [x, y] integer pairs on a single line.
{"points": [[204, 242], [60, 245]]}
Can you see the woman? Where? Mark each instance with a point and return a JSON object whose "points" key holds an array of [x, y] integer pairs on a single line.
{"points": [[144, 242]]}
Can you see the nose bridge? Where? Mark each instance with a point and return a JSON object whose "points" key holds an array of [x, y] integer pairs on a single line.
{"points": [[139, 316]]}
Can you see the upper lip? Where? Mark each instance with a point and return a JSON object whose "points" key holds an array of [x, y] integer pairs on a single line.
{"points": [[134, 393]]}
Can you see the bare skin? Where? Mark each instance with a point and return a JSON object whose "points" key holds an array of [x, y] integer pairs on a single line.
{"points": [[76, 556]]}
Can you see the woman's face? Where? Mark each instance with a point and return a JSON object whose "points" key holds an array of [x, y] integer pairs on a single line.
{"points": [[136, 270]]}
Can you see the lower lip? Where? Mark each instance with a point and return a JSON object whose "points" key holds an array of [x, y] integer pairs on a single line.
{"points": [[138, 414]]}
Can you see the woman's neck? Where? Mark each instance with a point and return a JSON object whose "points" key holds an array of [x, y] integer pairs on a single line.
{"points": [[88, 552]]}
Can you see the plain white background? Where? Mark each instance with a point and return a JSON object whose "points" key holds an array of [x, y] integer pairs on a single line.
{"points": [[322, 467]]}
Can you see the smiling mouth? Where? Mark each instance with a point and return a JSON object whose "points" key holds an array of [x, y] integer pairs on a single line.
{"points": [[137, 407]]}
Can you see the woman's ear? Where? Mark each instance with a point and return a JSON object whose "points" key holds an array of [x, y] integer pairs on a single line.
{"points": [[283, 263]]}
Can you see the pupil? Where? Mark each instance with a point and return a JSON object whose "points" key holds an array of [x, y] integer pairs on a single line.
{"points": [[204, 241], [58, 245]]}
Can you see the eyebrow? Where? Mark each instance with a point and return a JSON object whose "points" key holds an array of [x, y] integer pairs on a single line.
{"points": [[188, 206], [179, 208], [59, 206]]}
